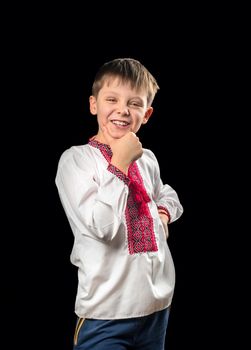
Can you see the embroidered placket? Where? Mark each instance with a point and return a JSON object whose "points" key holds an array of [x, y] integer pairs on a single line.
{"points": [[139, 222]]}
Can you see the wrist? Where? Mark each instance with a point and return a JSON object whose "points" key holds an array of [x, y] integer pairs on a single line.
{"points": [[164, 211], [120, 165]]}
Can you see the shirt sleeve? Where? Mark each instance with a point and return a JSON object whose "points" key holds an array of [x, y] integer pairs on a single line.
{"points": [[93, 204], [165, 196]]}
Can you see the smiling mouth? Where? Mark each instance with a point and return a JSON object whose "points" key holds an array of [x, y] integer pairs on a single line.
{"points": [[120, 122]]}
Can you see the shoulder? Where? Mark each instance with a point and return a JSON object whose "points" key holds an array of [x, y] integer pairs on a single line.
{"points": [[148, 161], [148, 155], [76, 154]]}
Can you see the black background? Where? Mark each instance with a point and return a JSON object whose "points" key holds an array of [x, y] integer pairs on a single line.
{"points": [[51, 61]]}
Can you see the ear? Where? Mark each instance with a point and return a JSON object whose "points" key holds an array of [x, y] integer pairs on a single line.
{"points": [[148, 114], [93, 105]]}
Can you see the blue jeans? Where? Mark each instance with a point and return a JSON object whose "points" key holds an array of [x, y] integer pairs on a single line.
{"points": [[144, 333]]}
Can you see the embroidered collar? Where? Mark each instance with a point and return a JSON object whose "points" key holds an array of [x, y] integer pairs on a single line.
{"points": [[104, 149]]}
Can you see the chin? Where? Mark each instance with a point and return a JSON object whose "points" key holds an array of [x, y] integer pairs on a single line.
{"points": [[118, 135]]}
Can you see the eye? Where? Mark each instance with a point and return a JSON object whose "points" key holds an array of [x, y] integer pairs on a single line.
{"points": [[111, 99], [135, 104]]}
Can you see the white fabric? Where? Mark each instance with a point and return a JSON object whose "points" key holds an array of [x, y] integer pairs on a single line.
{"points": [[114, 284]]}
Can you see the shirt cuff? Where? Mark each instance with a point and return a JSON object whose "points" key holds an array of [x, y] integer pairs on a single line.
{"points": [[164, 211], [117, 172]]}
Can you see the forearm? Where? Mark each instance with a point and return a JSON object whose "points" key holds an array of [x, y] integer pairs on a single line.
{"points": [[168, 201], [94, 209]]}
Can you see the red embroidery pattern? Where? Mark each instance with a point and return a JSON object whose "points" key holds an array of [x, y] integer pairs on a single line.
{"points": [[104, 149], [141, 236], [118, 173], [140, 232]]}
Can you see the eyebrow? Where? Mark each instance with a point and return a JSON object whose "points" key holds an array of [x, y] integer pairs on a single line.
{"points": [[116, 93]]}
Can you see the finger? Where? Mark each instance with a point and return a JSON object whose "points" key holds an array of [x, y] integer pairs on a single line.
{"points": [[131, 135]]}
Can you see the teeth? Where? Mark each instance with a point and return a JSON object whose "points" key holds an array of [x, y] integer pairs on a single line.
{"points": [[117, 122]]}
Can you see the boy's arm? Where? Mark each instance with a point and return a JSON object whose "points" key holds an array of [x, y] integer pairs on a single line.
{"points": [[166, 198], [164, 219], [93, 206], [125, 150]]}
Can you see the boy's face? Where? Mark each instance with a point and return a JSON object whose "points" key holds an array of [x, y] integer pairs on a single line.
{"points": [[120, 109]]}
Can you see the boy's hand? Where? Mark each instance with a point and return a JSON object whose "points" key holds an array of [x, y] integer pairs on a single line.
{"points": [[125, 150], [164, 220]]}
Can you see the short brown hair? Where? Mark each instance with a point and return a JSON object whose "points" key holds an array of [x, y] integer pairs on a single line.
{"points": [[128, 70]]}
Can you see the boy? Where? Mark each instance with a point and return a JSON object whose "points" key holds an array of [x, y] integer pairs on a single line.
{"points": [[118, 209]]}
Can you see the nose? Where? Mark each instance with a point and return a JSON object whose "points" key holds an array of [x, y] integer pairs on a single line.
{"points": [[124, 110]]}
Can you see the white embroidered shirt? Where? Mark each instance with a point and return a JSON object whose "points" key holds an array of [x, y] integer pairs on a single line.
{"points": [[125, 268]]}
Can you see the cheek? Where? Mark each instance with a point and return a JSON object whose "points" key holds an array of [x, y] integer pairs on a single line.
{"points": [[139, 119], [102, 116], [137, 124], [100, 119], [104, 112]]}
